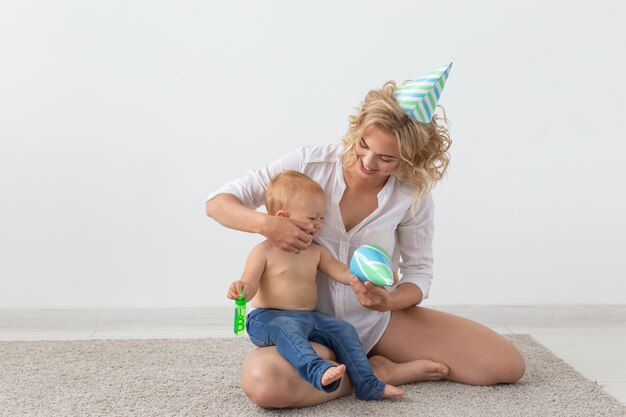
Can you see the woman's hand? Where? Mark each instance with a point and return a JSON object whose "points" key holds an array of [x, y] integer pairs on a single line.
{"points": [[370, 295], [288, 234]]}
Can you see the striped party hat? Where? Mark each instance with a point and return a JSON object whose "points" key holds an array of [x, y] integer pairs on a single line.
{"points": [[419, 98]]}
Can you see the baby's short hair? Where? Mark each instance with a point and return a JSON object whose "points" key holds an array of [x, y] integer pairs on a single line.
{"points": [[284, 186]]}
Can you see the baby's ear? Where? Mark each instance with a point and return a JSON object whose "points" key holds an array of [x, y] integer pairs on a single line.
{"points": [[282, 213]]}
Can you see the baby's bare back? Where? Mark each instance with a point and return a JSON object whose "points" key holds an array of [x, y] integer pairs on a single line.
{"points": [[288, 282]]}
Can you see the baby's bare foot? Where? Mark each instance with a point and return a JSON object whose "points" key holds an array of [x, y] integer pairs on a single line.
{"points": [[332, 374], [391, 392]]}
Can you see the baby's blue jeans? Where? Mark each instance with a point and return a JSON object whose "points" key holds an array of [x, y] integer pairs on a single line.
{"points": [[291, 331]]}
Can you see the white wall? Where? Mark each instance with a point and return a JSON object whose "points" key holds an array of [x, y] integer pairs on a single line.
{"points": [[118, 117]]}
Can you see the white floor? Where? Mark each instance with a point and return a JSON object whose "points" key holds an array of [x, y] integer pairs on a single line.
{"points": [[590, 338]]}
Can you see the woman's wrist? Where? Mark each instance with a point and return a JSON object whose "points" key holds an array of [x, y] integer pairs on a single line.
{"points": [[261, 223], [405, 295]]}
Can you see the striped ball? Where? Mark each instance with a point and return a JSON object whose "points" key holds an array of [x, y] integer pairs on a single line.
{"points": [[372, 263]]}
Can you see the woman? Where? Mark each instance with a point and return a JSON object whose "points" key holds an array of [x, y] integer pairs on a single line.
{"points": [[378, 184]]}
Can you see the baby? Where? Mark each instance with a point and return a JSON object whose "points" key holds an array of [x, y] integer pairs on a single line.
{"points": [[283, 285]]}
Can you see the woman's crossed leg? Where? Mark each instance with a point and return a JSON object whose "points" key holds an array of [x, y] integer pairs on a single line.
{"points": [[419, 344]]}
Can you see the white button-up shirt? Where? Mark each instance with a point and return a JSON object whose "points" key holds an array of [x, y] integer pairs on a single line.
{"points": [[406, 234]]}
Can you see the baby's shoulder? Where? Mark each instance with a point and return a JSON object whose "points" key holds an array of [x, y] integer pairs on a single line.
{"points": [[261, 249], [316, 249]]}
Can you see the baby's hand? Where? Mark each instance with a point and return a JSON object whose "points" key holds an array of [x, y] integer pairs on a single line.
{"points": [[234, 289]]}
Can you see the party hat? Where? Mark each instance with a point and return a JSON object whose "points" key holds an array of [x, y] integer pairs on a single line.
{"points": [[419, 97]]}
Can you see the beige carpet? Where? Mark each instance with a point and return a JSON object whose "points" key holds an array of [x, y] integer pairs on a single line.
{"points": [[200, 377]]}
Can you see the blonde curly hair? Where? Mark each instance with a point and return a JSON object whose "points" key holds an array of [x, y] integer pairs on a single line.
{"points": [[423, 147]]}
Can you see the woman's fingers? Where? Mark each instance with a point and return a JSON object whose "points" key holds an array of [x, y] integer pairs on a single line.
{"points": [[306, 227], [302, 238], [297, 246], [290, 235], [302, 243], [370, 295], [361, 291]]}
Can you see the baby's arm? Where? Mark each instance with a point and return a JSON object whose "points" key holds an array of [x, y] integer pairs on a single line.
{"points": [[252, 273], [333, 268]]}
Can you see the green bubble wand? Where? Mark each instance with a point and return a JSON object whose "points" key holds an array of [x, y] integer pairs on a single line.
{"points": [[240, 314]]}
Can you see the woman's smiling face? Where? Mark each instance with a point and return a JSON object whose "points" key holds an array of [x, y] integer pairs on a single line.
{"points": [[377, 153]]}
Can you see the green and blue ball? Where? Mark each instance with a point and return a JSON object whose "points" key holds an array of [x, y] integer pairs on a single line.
{"points": [[372, 263]]}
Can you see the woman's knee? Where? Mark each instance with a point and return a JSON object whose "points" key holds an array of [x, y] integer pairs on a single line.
{"points": [[263, 386], [269, 381], [517, 367], [509, 368]]}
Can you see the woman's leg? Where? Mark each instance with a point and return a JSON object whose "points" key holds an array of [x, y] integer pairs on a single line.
{"points": [[473, 353], [416, 344], [270, 381], [288, 331]]}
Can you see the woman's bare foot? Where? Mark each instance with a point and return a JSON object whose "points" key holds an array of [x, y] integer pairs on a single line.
{"points": [[332, 374], [404, 373], [391, 392]]}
